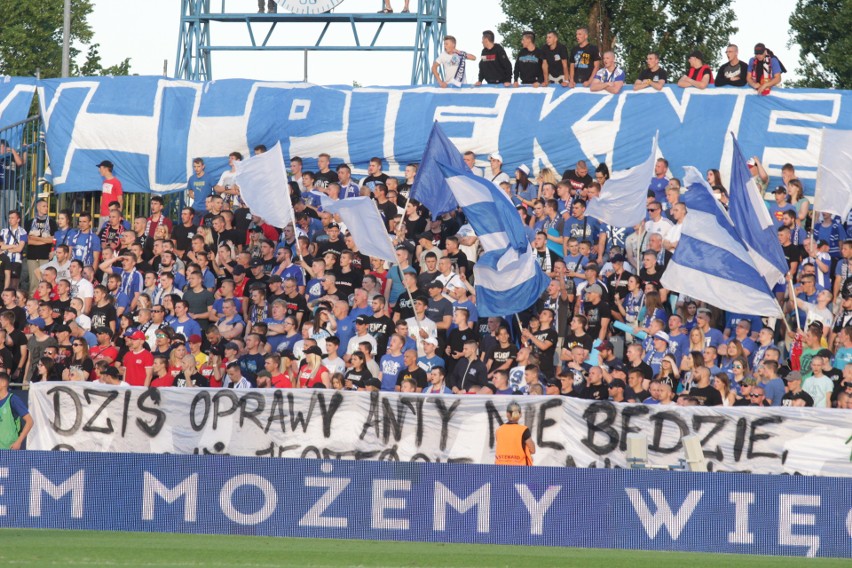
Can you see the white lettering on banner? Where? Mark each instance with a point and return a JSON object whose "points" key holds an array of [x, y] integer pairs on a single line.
{"points": [[481, 499], [153, 488], [226, 499], [306, 423], [382, 503], [537, 508], [75, 485], [787, 519], [4, 474], [663, 516], [314, 516], [741, 534]]}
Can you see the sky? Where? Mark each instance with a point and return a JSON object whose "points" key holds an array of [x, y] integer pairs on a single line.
{"points": [[147, 32]]}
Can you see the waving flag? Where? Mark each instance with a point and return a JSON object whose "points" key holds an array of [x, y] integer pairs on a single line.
{"points": [[507, 277], [364, 222], [752, 221], [834, 174], [430, 187], [264, 188], [623, 200], [711, 262]]}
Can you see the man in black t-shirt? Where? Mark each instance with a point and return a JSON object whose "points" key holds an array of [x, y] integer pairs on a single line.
{"points": [[530, 64], [494, 65], [653, 75], [325, 175], [556, 55], [543, 342], [585, 60], [183, 232], [735, 72], [375, 175], [579, 177], [792, 253], [702, 390], [40, 231], [597, 312]]}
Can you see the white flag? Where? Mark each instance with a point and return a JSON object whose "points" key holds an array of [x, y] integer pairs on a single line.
{"points": [[264, 188], [624, 197], [834, 174], [364, 222]]}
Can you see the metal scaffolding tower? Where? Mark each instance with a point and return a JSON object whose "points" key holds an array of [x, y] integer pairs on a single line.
{"points": [[195, 44]]}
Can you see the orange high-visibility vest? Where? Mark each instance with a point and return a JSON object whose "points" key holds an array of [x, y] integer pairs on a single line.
{"points": [[510, 450]]}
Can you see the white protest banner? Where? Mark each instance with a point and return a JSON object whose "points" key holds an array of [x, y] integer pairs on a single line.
{"points": [[310, 423]]}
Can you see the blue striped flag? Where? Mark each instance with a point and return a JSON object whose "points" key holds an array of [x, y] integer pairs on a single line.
{"points": [[753, 223], [429, 186], [711, 262], [507, 277]]}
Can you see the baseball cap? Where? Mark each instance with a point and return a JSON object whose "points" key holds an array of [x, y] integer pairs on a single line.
{"points": [[238, 269], [105, 164], [287, 354], [84, 321], [333, 225], [312, 350], [373, 382], [524, 168], [793, 376], [431, 341], [195, 338], [361, 320], [137, 335], [594, 289], [273, 279], [780, 189], [759, 49], [435, 284], [232, 345], [495, 156], [102, 330], [617, 258], [605, 345], [617, 383], [751, 162], [662, 335], [257, 262]]}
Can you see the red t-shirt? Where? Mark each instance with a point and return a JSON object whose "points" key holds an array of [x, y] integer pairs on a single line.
{"points": [[305, 373], [281, 382], [110, 191], [166, 380], [135, 365]]}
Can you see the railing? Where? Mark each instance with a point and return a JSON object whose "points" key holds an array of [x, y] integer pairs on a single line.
{"points": [[23, 162]]}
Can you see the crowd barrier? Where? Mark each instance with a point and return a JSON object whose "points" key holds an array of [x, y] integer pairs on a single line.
{"points": [[593, 508]]}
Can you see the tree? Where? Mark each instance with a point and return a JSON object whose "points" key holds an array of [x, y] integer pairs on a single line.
{"points": [[93, 66], [821, 28], [631, 28], [31, 39]]}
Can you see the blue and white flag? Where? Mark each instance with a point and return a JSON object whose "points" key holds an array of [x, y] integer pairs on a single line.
{"points": [[264, 187], [753, 223], [507, 277], [623, 200], [711, 262], [430, 187], [364, 222], [834, 174]]}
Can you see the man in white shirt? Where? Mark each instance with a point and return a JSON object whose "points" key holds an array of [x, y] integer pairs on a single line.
{"points": [[672, 236], [452, 62], [656, 222], [421, 328], [497, 175]]}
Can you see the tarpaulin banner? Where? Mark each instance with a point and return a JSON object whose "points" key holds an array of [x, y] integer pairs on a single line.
{"points": [[152, 127], [600, 508], [314, 423]]}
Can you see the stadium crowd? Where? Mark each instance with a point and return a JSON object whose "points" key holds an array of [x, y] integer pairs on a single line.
{"points": [[219, 298]]}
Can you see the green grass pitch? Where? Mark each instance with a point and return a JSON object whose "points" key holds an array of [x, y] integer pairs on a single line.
{"points": [[43, 548]]}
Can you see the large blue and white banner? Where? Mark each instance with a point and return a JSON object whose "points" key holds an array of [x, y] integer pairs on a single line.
{"points": [[600, 508], [152, 127], [16, 98]]}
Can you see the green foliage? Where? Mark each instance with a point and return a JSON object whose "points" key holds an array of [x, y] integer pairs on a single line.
{"points": [[31, 39], [821, 28], [631, 28]]}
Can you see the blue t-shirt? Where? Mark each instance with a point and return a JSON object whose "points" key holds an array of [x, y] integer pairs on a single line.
{"points": [[774, 390], [391, 367], [842, 358], [217, 305], [833, 235], [202, 188], [575, 228], [345, 330], [428, 363], [658, 186], [776, 212], [313, 289], [187, 328]]}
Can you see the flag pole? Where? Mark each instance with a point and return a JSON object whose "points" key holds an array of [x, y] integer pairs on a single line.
{"points": [[792, 295]]}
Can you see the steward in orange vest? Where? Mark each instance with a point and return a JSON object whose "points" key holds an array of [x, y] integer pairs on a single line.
{"points": [[514, 441]]}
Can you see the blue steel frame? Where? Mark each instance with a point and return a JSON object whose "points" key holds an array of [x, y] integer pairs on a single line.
{"points": [[193, 60]]}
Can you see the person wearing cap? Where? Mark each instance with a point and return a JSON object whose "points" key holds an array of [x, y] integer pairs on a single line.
{"points": [[111, 190], [430, 359], [779, 206], [361, 335], [735, 72], [764, 70], [616, 389], [698, 75], [795, 395], [497, 175], [15, 419], [138, 362], [513, 441], [312, 371], [598, 313]]}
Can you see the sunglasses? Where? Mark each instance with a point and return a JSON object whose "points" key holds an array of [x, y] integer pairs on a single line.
{"points": [[755, 395], [847, 385]]}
